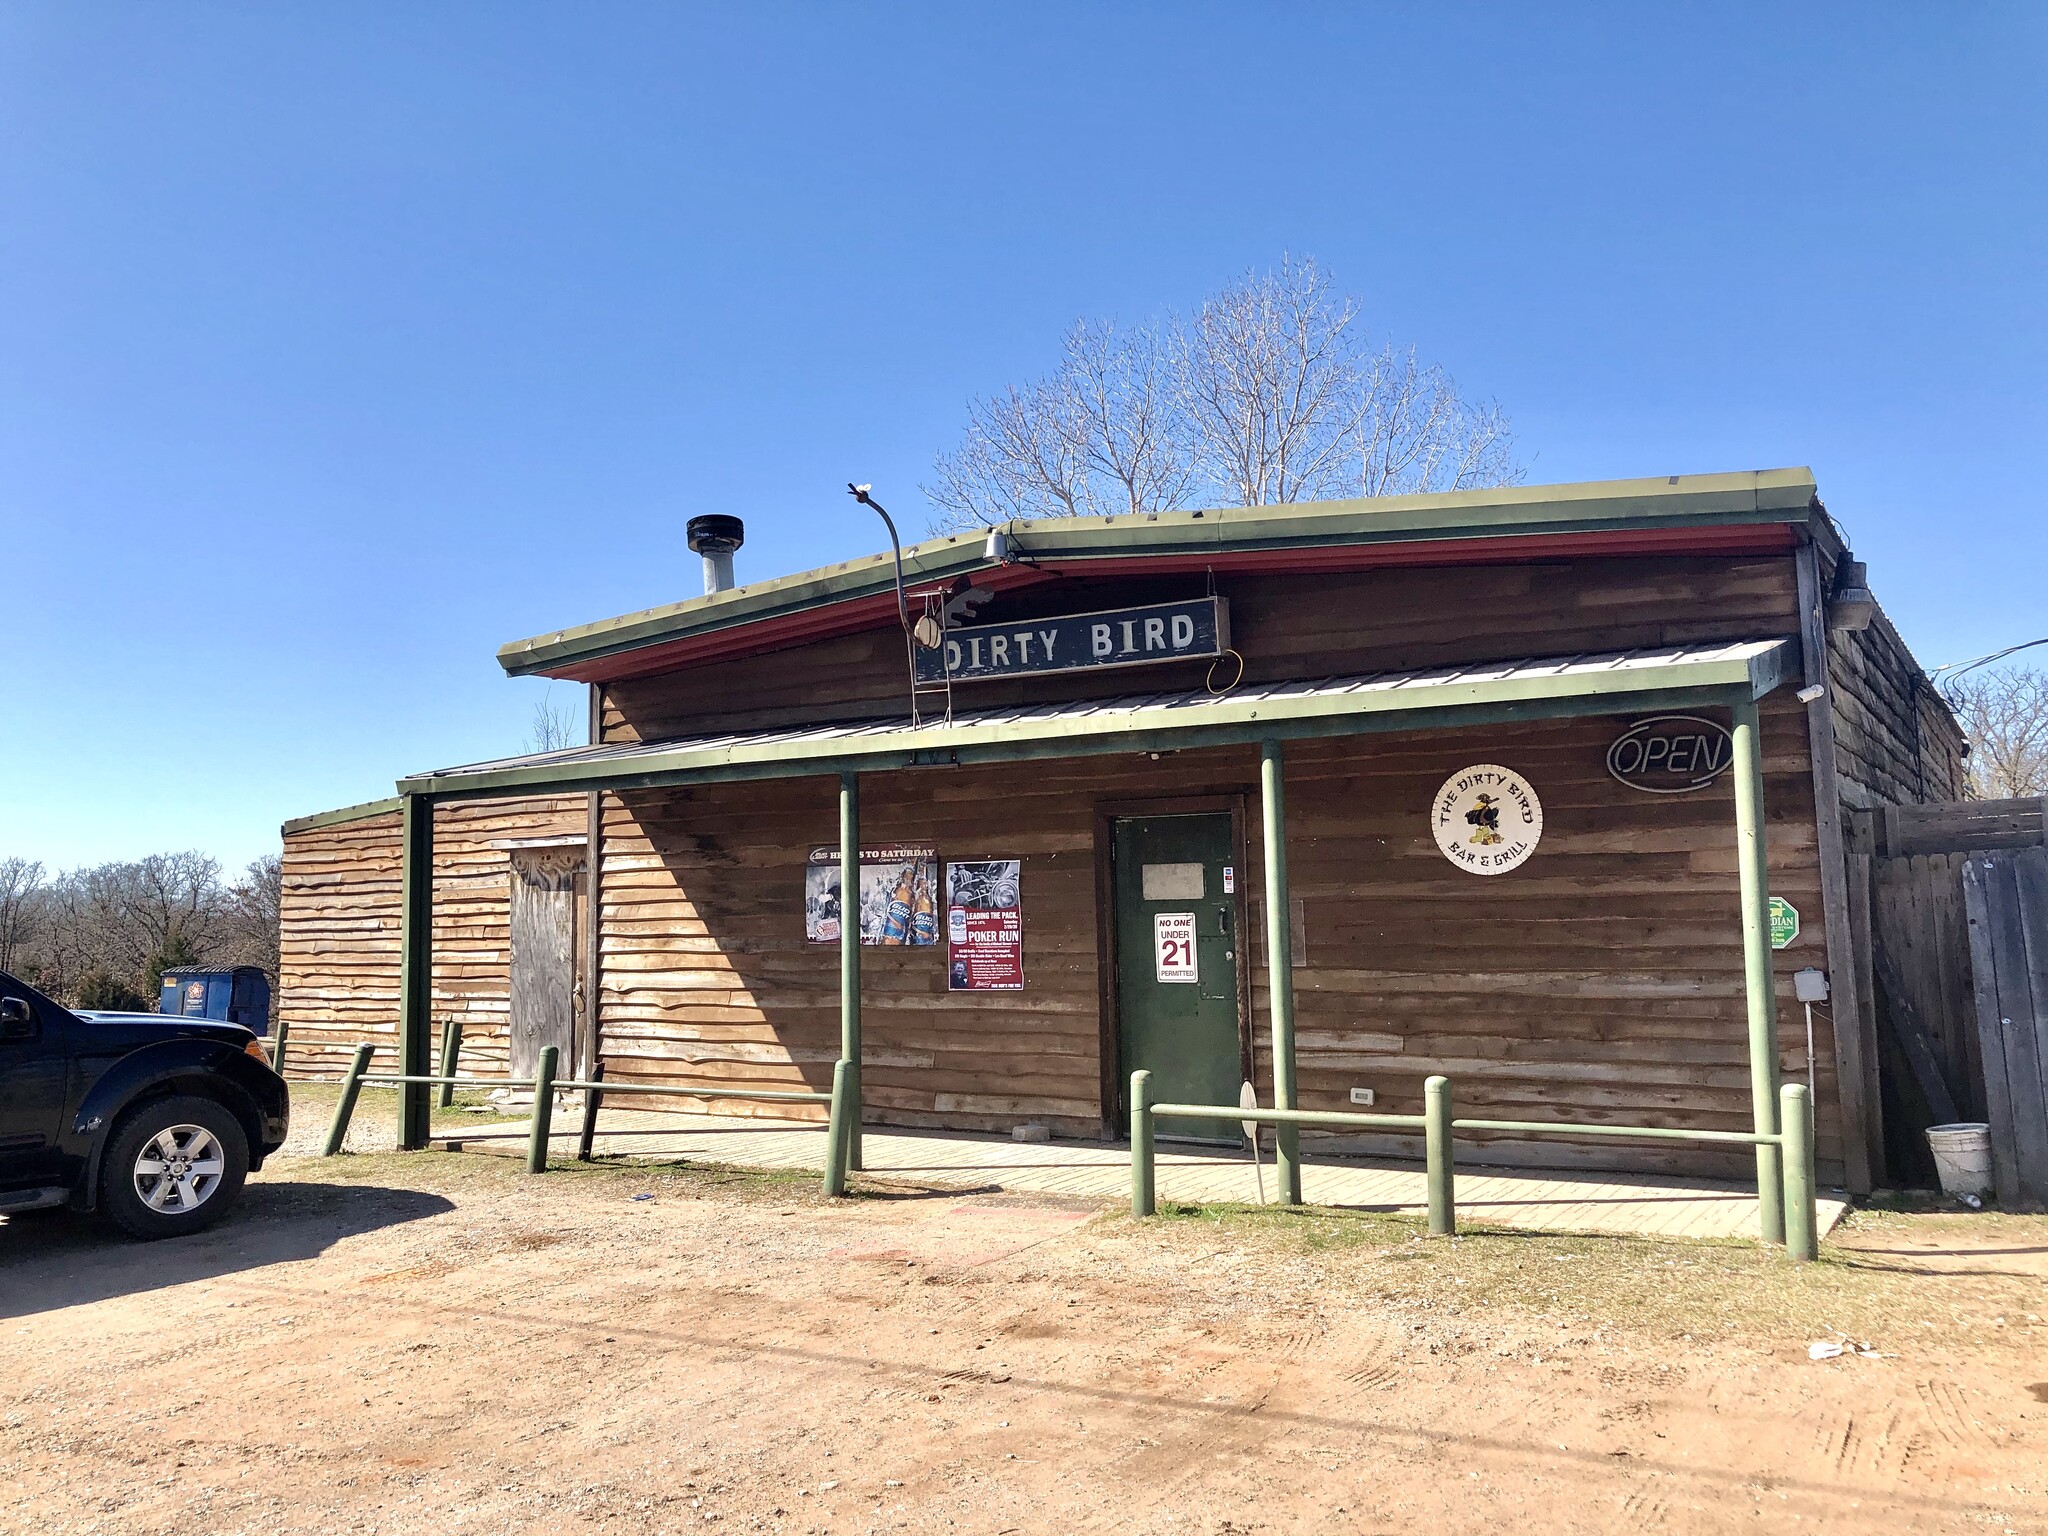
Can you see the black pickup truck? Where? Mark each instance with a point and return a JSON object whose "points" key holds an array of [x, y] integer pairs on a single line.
{"points": [[150, 1119]]}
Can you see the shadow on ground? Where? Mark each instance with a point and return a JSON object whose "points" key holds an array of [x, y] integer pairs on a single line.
{"points": [[54, 1259]]}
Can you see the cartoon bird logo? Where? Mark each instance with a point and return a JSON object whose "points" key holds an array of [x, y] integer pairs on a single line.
{"points": [[1485, 819]]}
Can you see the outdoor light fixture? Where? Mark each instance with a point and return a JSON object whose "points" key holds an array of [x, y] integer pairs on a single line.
{"points": [[998, 547], [911, 637], [1852, 607]]}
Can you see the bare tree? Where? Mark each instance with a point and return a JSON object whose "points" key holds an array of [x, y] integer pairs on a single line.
{"points": [[552, 728], [2005, 716], [1271, 380], [153, 914], [1269, 393], [1419, 434], [1024, 456], [103, 936], [1134, 435], [22, 895]]}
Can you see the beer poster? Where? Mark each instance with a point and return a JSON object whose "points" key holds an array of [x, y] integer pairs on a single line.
{"points": [[984, 926], [899, 895]]}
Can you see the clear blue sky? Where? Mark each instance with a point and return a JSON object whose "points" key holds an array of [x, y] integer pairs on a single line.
{"points": [[341, 343]]}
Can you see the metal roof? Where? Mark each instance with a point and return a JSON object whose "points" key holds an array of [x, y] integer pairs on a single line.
{"points": [[1212, 535], [1617, 682], [340, 816]]}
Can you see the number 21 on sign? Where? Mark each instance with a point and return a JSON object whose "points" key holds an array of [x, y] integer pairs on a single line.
{"points": [[1173, 946]]}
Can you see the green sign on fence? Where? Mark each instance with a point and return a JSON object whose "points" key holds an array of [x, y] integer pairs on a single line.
{"points": [[1784, 922]]}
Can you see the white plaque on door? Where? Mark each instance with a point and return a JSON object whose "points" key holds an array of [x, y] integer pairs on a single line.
{"points": [[1172, 882], [1173, 946]]}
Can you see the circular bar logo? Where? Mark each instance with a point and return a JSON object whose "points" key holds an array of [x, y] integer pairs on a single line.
{"points": [[1670, 754], [1487, 819]]}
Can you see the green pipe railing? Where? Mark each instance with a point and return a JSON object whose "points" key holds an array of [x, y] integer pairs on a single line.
{"points": [[281, 1033], [545, 1085], [1434, 1123], [345, 1106], [1793, 1141], [451, 1055]]}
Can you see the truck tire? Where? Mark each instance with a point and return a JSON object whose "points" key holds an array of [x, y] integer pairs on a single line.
{"points": [[173, 1166]]}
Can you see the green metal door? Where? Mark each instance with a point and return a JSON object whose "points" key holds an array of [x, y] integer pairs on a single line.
{"points": [[1176, 946]]}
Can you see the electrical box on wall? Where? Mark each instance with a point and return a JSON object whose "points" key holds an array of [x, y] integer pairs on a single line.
{"points": [[1361, 1096]]}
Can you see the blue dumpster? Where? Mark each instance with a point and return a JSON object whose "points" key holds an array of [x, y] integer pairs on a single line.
{"points": [[238, 995]]}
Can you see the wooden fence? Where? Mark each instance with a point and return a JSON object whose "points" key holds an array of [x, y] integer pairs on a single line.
{"points": [[1910, 936], [2007, 896]]}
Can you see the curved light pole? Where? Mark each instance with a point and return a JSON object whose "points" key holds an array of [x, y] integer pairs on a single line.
{"points": [[860, 494]]}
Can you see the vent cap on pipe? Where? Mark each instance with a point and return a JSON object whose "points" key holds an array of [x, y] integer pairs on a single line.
{"points": [[715, 536]]}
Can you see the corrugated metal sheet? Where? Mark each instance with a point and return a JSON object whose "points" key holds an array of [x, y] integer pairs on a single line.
{"points": [[1756, 664]]}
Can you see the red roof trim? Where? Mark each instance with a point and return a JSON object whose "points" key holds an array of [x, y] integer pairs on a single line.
{"points": [[879, 610]]}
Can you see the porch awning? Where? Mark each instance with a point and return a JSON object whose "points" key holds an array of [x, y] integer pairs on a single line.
{"points": [[1619, 682]]}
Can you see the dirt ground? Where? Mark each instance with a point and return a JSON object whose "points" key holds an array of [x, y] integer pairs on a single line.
{"points": [[440, 1343]]}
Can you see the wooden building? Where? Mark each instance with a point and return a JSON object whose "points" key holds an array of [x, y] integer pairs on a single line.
{"points": [[1155, 721]]}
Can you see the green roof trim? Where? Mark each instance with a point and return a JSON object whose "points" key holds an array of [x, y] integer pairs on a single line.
{"points": [[341, 817], [1673, 501]]}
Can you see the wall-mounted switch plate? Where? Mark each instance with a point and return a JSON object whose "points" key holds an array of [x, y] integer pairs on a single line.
{"points": [[1361, 1096]]}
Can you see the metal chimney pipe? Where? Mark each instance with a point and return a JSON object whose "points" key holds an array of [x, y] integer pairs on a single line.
{"points": [[715, 536]]}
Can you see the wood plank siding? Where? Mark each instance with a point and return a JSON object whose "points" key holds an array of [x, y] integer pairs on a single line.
{"points": [[1896, 740], [1602, 980], [338, 941], [1300, 625]]}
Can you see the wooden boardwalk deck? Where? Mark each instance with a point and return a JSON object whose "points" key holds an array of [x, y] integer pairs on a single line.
{"points": [[1545, 1201]]}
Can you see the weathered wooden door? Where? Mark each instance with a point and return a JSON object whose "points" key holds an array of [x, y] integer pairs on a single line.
{"points": [[544, 990], [1177, 957]]}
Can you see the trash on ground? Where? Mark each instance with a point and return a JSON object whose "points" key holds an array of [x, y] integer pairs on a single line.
{"points": [[1831, 1349]]}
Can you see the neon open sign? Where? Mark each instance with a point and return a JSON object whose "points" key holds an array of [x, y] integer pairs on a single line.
{"points": [[1080, 642], [1670, 754]]}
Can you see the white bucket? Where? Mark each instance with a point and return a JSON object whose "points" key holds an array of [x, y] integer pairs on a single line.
{"points": [[1962, 1156]]}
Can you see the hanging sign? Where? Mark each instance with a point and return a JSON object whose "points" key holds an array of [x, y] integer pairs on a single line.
{"points": [[1671, 754], [1487, 819], [898, 896], [984, 926], [1080, 642], [1784, 923], [1173, 947]]}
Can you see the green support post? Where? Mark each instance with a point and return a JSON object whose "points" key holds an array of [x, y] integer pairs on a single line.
{"points": [[835, 1137], [345, 1106], [1436, 1139], [415, 968], [1143, 1202], [278, 1037], [1279, 968], [849, 965], [451, 1052], [1762, 1000], [593, 1102], [1802, 1220], [543, 1109]]}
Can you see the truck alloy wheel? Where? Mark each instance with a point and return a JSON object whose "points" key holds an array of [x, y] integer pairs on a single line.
{"points": [[179, 1168]]}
